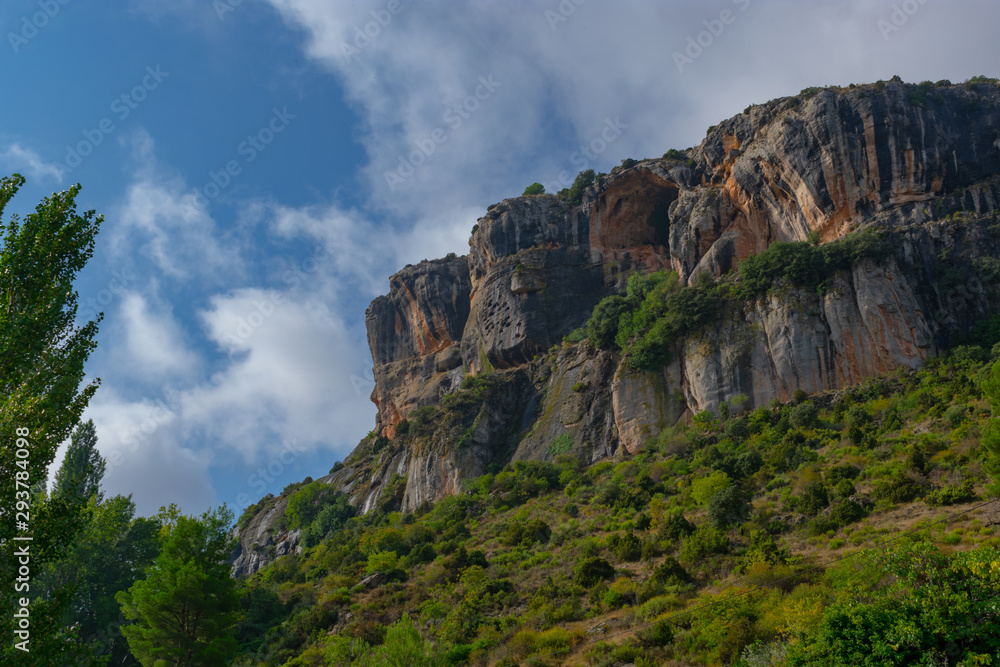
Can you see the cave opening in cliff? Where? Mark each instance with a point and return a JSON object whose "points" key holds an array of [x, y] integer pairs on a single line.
{"points": [[634, 211]]}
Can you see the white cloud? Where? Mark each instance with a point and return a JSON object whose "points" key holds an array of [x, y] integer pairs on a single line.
{"points": [[561, 79], [161, 219], [154, 341], [292, 368], [16, 157], [138, 439]]}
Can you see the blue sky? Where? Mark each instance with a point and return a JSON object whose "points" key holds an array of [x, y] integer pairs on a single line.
{"points": [[264, 166]]}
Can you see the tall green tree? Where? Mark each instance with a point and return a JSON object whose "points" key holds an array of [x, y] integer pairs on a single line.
{"points": [[991, 431], [83, 468], [42, 356], [111, 553], [185, 610]]}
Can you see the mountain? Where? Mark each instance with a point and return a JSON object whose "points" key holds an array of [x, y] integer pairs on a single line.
{"points": [[817, 240]]}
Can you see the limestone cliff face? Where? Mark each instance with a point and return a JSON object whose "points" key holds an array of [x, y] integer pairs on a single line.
{"points": [[261, 540], [831, 162], [921, 164], [894, 156], [413, 334]]}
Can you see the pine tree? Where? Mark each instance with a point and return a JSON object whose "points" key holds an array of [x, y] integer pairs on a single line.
{"points": [[185, 610], [83, 468]]}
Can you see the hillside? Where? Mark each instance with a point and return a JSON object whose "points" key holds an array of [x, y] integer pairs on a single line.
{"points": [[700, 375]]}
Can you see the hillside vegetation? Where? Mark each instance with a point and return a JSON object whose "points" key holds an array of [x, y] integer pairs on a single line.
{"points": [[742, 538]]}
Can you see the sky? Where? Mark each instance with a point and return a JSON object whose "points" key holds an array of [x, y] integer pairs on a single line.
{"points": [[264, 166]]}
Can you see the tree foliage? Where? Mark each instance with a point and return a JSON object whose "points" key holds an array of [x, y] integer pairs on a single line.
{"points": [[110, 555], [42, 356], [83, 467], [574, 193], [185, 609]]}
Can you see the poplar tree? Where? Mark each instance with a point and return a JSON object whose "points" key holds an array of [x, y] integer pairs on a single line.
{"points": [[42, 356], [83, 467]]}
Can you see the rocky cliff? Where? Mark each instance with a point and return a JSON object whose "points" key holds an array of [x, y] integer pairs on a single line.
{"points": [[479, 360]]}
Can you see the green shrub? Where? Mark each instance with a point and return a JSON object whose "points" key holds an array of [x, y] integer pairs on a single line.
{"points": [[659, 633], [814, 499], [525, 480], [898, 489], [762, 549], [937, 601], [728, 507], [671, 572], [593, 571], [627, 548], [704, 542], [804, 416], [847, 511], [675, 526], [705, 487], [804, 264], [305, 503], [561, 445], [602, 327], [841, 472], [674, 154], [527, 533], [844, 489], [533, 189], [951, 495], [573, 195]]}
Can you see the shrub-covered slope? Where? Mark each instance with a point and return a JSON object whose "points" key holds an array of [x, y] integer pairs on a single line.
{"points": [[710, 544]]}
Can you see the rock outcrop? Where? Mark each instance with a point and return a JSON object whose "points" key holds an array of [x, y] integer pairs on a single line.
{"points": [[262, 539], [479, 360]]}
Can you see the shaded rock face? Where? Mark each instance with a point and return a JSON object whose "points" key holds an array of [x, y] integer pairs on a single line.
{"points": [[424, 312], [413, 334], [533, 281], [906, 160], [261, 540]]}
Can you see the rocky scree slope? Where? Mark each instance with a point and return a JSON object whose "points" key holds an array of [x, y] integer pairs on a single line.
{"points": [[469, 373]]}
